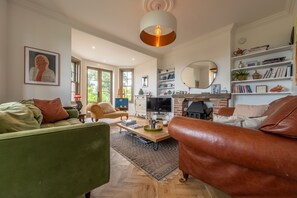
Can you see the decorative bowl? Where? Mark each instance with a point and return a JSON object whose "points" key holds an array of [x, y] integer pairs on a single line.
{"points": [[147, 128]]}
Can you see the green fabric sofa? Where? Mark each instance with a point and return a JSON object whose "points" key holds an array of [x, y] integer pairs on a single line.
{"points": [[58, 161]]}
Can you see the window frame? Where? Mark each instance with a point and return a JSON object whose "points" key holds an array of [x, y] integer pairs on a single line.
{"points": [[122, 70], [100, 70], [77, 77]]}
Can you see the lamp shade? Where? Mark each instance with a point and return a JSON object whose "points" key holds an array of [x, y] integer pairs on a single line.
{"points": [[77, 96], [158, 28]]}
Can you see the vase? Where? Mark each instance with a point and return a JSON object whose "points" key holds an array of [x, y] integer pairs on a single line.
{"points": [[256, 75], [240, 65], [140, 92]]}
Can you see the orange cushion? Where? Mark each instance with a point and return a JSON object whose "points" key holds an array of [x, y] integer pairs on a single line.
{"points": [[51, 110]]}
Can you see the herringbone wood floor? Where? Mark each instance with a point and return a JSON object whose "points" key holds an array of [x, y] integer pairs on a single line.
{"points": [[127, 181]]}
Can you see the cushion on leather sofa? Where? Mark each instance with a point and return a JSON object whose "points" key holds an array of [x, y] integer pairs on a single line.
{"points": [[250, 110], [282, 117]]}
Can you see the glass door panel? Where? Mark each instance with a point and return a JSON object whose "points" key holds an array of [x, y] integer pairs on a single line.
{"points": [[99, 85], [93, 88], [106, 86]]}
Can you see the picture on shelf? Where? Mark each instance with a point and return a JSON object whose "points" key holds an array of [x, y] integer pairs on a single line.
{"points": [[261, 89], [216, 88], [251, 63]]}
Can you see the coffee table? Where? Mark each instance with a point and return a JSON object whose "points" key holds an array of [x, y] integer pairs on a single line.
{"points": [[155, 137]]}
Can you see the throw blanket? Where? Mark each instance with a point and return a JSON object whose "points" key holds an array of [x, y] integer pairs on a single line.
{"points": [[15, 116]]}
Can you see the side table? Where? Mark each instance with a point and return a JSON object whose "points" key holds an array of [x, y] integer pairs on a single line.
{"points": [[81, 117]]}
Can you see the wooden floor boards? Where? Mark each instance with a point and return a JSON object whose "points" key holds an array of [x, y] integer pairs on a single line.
{"points": [[127, 181]]}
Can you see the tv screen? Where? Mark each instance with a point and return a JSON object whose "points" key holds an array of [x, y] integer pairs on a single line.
{"points": [[158, 105]]}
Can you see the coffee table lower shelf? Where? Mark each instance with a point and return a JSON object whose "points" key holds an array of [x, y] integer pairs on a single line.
{"points": [[146, 136]]}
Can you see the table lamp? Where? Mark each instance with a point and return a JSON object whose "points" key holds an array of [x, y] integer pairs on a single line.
{"points": [[78, 102]]}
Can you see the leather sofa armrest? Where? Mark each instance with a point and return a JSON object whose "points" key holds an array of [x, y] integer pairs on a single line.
{"points": [[226, 111], [246, 147], [95, 110]]}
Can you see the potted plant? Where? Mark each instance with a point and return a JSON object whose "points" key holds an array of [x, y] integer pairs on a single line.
{"points": [[240, 74]]}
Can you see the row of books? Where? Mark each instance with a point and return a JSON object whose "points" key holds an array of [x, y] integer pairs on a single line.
{"points": [[241, 89], [278, 72]]}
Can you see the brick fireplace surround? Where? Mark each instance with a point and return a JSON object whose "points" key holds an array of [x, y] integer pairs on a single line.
{"points": [[181, 101]]}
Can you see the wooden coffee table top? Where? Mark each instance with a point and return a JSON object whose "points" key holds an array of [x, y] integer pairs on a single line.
{"points": [[152, 136]]}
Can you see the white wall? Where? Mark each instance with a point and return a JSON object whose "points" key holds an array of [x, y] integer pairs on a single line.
{"points": [[3, 49], [146, 69], [214, 46], [28, 27], [87, 63]]}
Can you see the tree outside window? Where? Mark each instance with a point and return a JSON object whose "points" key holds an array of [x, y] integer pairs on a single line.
{"points": [[126, 82]]}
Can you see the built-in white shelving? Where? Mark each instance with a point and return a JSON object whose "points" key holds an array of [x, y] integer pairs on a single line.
{"points": [[285, 78]]}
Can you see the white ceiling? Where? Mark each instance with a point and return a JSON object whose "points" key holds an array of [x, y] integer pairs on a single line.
{"points": [[118, 21]]}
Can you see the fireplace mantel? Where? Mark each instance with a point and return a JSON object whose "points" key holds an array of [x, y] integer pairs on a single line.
{"points": [[217, 100]]}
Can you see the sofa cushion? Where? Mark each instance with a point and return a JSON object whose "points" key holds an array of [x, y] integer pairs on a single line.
{"points": [[52, 110], [240, 121], [15, 116], [106, 107], [250, 110], [70, 121], [282, 117], [36, 111]]}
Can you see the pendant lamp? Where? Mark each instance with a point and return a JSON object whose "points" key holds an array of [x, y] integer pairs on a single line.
{"points": [[158, 28]]}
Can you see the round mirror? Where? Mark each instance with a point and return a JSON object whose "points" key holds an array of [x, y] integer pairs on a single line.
{"points": [[200, 74]]}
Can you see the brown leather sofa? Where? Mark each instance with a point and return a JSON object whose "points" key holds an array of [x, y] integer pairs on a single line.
{"points": [[244, 163]]}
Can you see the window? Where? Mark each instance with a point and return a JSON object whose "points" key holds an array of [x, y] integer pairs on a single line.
{"points": [[75, 78], [99, 85], [126, 82]]}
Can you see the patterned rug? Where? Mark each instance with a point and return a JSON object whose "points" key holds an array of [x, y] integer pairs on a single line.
{"points": [[158, 163]]}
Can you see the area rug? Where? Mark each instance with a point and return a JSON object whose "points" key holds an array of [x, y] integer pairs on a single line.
{"points": [[157, 164]]}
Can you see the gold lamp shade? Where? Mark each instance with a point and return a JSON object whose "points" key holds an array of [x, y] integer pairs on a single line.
{"points": [[158, 28]]}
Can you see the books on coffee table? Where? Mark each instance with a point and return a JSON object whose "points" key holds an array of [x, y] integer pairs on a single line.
{"points": [[128, 122], [135, 126]]}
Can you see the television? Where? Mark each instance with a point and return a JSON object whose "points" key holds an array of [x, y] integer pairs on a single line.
{"points": [[158, 105]]}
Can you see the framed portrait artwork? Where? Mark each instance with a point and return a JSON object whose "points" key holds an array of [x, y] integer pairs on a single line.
{"points": [[41, 67]]}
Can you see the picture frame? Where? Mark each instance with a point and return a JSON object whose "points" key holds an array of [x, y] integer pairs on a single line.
{"points": [[144, 81], [251, 63], [216, 88], [41, 67], [261, 89]]}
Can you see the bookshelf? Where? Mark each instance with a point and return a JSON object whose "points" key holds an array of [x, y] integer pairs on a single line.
{"points": [[280, 72]]}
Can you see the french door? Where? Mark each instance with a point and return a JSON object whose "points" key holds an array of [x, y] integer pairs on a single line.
{"points": [[99, 82]]}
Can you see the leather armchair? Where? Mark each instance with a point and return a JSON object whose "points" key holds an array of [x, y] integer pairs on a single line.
{"points": [[239, 161]]}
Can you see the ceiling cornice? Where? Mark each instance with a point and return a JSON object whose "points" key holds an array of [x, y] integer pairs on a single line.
{"points": [[207, 36], [40, 9], [79, 26], [288, 11]]}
